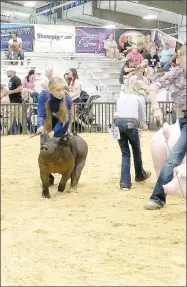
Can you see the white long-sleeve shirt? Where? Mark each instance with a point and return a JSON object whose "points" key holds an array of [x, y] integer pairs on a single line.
{"points": [[131, 105]]}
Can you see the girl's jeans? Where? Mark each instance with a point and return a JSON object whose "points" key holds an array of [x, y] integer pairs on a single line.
{"points": [[129, 135]]}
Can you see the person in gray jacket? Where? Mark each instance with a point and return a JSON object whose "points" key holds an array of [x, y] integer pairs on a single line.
{"points": [[130, 112]]}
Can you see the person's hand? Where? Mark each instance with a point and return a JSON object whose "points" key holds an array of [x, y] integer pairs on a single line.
{"points": [[8, 92], [158, 115], [140, 132], [51, 134], [40, 130]]}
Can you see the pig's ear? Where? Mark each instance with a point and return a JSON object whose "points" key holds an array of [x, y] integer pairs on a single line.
{"points": [[64, 139], [44, 138]]}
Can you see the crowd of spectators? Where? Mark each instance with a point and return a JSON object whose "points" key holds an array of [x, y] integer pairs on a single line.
{"points": [[142, 60], [149, 66], [24, 91]]}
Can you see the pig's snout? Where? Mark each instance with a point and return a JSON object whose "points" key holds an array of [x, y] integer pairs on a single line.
{"points": [[44, 148]]}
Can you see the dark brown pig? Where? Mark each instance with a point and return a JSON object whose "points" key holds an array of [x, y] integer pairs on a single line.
{"points": [[65, 156]]}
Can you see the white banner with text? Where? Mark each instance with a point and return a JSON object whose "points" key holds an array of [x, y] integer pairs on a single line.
{"points": [[54, 38]]}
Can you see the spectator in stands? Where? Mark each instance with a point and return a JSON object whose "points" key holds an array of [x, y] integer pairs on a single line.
{"points": [[149, 43], [153, 58], [47, 78], [15, 46], [26, 96], [14, 86], [74, 85], [130, 110], [166, 57], [54, 109], [128, 69], [4, 109], [111, 47], [15, 97], [29, 83], [4, 96], [126, 45], [135, 55], [75, 90], [147, 70]]}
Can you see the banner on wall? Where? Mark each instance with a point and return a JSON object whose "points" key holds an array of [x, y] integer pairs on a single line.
{"points": [[54, 38], [25, 32], [90, 40], [135, 36]]}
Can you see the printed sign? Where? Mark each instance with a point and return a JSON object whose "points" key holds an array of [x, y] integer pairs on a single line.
{"points": [[90, 40], [133, 36], [54, 38], [25, 32], [114, 132]]}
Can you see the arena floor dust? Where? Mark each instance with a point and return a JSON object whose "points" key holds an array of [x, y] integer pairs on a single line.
{"points": [[97, 236]]}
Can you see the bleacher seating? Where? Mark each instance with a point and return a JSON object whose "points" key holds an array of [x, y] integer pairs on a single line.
{"points": [[98, 75]]}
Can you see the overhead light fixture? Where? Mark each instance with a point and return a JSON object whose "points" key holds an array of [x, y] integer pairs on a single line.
{"points": [[30, 4], [109, 26], [22, 14], [149, 17]]}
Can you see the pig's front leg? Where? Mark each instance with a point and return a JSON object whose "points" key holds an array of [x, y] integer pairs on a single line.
{"points": [[45, 185], [63, 181]]}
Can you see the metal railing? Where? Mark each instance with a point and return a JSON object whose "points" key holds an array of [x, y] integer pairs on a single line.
{"points": [[86, 117]]}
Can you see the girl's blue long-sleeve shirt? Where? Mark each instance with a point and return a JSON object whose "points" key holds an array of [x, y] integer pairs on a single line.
{"points": [[60, 128]]}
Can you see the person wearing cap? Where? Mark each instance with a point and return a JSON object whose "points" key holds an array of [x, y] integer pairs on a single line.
{"points": [[19, 47], [134, 55]]}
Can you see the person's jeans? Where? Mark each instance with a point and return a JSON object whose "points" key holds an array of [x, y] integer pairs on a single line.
{"points": [[35, 97], [129, 135], [21, 55], [176, 155], [166, 66]]}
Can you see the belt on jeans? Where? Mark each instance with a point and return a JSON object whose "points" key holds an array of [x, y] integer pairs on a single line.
{"points": [[127, 120]]}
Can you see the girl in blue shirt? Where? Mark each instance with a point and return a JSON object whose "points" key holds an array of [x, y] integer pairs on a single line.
{"points": [[54, 109]]}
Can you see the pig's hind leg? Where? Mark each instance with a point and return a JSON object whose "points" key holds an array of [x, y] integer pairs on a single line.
{"points": [[63, 181], [45, 185], [75, 176]]}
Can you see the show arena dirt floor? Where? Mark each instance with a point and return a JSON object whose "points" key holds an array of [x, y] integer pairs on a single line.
{"points": [[97, 236]]}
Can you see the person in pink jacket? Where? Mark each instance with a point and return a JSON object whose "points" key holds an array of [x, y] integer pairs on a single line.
{"points": [[134, 55], [29, 84]]}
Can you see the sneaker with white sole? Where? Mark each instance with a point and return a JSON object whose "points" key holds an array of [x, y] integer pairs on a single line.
{"points": [[125, 188], [153, 205]]}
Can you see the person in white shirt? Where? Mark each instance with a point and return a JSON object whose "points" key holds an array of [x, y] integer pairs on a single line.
{"points": [[130, 111], [47, 78], [15, 45], [111, 47]]}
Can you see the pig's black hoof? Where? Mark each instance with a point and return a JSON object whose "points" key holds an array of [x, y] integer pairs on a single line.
{"points": [[46, 195], [51, 179], [61, 188]]}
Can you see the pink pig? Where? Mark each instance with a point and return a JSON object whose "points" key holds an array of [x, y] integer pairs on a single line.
{"points": [[177, 186], [164, 138]]}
